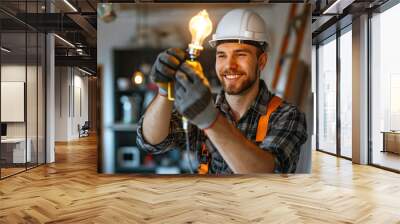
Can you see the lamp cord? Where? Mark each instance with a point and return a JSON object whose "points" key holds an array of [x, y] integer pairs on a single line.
{"points": [[185, 128]]}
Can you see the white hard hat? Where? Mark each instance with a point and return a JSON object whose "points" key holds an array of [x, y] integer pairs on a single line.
{"points": [[242, 25]]}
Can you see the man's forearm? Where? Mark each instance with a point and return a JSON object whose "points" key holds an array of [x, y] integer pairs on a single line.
{"points": [[157, 120], [241, 154]]}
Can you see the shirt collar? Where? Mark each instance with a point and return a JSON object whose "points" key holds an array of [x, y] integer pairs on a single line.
{"points": [[259, 104]]}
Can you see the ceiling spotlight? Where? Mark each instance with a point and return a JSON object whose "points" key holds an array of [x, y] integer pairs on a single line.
{"points": [[65, 41], [5, 50], [70, 5], [84, 71], [80, 51], [337, 7]]}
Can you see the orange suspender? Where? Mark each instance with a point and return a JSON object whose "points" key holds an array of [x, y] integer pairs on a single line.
{"points": [[262, 130], [262, 127], [204, 160]]}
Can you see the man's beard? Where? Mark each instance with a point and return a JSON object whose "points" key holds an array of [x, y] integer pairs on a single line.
{"points": [[244, 86]]}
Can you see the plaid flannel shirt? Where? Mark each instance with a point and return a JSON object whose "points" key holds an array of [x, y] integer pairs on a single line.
{"points": [[286, 133]]}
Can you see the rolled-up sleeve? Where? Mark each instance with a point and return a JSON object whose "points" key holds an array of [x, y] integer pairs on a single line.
{"points": [[286, 133], [175, 138]]}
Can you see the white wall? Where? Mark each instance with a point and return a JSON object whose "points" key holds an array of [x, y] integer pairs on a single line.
{"points": [[61, 103], [81, 104], [71, 93]]}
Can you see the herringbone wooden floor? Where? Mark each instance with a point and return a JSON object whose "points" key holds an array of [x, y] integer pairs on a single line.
{"points": [[71, 191]]}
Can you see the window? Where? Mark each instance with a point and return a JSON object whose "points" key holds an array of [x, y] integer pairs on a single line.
{"points": [[326, 137], [346, 93], [334, 109], [385, 88]]}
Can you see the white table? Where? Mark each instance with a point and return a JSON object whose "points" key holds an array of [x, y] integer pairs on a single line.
{"points": [[18, 145]]}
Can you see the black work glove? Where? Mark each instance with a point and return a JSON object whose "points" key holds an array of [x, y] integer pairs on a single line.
{"points": [[165, 67], [193, 98]]}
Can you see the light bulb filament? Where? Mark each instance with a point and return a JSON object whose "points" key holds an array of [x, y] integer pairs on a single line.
{"points": [[200, 27]]}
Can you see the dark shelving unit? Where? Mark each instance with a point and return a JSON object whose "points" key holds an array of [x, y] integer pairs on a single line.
{"points": [[126, 63]]}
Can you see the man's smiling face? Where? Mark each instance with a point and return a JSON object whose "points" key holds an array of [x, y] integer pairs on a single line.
{"points": [[238, 66]]}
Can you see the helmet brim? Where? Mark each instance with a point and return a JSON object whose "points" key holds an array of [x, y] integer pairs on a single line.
{"points": [[259, 44]]}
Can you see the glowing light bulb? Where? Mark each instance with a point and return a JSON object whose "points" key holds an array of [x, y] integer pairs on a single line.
{"points": [[138, 78], [200, 27]]}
